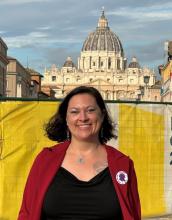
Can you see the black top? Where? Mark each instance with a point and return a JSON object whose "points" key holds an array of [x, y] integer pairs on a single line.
{"points": [[69, 198]]}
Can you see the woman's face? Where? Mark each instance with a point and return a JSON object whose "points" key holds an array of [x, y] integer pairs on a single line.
{"points": [[84, 117]]}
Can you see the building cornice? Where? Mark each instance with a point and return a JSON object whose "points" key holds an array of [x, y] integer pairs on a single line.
{"points": [[3, 43], [4, 59]]}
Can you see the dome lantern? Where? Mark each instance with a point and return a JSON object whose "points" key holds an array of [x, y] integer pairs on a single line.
{"points": [[103, 22]]}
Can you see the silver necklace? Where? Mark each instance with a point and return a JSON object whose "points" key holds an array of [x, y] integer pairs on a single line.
{"points": [[80, 160]]}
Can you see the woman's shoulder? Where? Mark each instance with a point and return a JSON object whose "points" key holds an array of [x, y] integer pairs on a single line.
{"points": [[52, 150], [62, 146], [116, 153], [49, 154], [118, 157]]}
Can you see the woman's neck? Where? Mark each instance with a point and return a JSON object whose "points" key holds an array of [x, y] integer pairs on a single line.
{"points": [[84, 147]]}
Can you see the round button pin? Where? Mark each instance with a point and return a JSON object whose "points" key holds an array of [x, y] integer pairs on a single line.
{"points": [[122, 177]]}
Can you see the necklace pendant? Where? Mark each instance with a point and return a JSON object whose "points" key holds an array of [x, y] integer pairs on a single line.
{"points": [[80, 160]]}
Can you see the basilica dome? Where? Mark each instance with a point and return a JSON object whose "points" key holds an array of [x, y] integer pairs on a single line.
{"points": [[103, 39]]}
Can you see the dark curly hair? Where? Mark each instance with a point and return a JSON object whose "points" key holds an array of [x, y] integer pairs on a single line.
{"points": [[56, 129]]}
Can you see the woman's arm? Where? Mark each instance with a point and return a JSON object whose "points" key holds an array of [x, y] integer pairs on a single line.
{"points": [[30, 190], [133, 193]]}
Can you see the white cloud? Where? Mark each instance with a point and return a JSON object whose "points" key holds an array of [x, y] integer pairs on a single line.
{"points": [[15, 2], [36, 38], [145, 14], [26, 40], [44, 28], [68, 28], [2, 32]]}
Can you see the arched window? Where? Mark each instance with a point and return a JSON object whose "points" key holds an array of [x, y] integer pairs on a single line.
{"points": [[107, 95], [118, 64], [53, 78], [99, 61], [109, 63], [90, 61]]}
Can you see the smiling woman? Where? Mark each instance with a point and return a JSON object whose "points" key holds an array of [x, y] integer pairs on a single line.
{"points": [[84, 118], [89, 102], [81, 177]]}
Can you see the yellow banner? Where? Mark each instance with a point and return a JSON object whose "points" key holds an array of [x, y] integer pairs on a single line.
{"points": [[143, 134], [22, 137]]}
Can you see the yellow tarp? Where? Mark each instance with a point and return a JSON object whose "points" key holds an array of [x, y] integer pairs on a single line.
{"points": [[22, 137], [141, 136]]}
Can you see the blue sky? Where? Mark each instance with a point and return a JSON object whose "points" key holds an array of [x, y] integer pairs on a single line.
{"points": [[45, 32]]}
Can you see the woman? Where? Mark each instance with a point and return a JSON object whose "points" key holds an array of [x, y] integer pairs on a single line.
{"points": [[81, 178]]}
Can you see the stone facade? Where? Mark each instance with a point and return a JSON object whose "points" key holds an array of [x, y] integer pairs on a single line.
{"points": [[166, 73], [35, 87], [102, 64], [18, 80], [3, 67]]}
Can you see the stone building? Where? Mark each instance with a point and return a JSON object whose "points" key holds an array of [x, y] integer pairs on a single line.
{"points": [[18, 80], [35, 87], [3, 67], [103, 65], [166, 74]]}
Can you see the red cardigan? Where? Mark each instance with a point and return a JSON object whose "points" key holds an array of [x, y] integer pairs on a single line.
{"points": [[48, 162]]}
